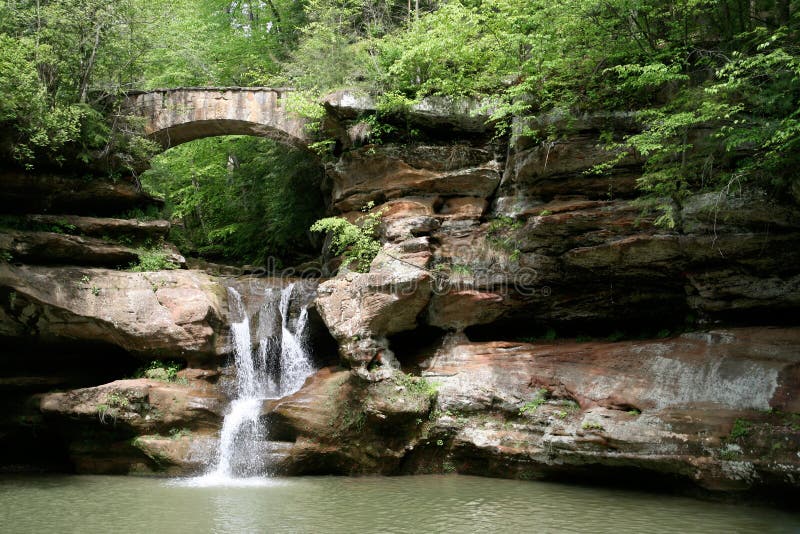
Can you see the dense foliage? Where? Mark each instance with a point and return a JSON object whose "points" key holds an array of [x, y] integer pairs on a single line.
{"points": [[62, 62], [714, 84], [240, 198]]}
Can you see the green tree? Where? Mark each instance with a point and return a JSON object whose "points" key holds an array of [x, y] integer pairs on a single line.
{"points": [[240, 198]]}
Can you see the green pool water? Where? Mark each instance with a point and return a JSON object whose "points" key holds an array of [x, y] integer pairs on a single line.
{"points": [[454, 503]]}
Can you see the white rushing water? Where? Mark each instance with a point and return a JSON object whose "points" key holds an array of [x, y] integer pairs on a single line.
{"points": [[277, 366], [295, 364]]}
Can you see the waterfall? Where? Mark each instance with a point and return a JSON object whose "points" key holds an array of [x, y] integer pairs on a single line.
{"points": [[277, 366], [295, 365]]}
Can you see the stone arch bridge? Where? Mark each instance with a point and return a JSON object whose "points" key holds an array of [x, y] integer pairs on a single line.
{"points": [[175, 116]]}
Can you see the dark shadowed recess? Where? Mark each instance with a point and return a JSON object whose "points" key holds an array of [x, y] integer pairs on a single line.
{"points": [[31, 365], [627, 321], [415, 346], [30, 368], [323, 347], [59, 193]]}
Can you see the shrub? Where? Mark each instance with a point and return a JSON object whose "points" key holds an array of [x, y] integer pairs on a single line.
{"points": [[153, 259], [160, 370], [741, 428], [356, 242]]}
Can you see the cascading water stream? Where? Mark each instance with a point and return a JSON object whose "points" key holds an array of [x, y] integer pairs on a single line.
{"points": [[295, 365], [278, 366]]}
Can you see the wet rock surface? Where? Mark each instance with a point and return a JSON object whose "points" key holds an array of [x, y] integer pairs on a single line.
{"points": [[709, 408]]}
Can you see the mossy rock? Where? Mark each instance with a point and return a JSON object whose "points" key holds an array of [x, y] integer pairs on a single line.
{"points": [[158, 373]]}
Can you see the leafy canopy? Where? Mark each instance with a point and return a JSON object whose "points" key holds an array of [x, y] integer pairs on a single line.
{"points": [[241, 199]]}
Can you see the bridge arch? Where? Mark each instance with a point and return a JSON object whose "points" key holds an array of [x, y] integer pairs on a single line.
{"points": [[176, 116]]}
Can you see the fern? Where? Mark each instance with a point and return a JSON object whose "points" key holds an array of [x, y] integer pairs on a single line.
{"points": [[358, 241]]}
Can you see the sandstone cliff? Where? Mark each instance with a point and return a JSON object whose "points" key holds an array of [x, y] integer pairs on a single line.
{"points": [[555, 329]]}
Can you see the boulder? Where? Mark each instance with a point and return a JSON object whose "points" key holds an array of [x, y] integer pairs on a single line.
{"points": [[339, 423], [138, 425], [180, 454], [140, 405], [362, 309], [163, 314]]}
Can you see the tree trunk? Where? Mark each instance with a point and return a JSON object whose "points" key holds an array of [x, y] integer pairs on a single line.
{"points": [[784, 12], [275, 14], [87, 72]]}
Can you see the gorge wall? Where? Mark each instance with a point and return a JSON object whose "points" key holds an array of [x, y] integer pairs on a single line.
{"points": [[525, 318]]}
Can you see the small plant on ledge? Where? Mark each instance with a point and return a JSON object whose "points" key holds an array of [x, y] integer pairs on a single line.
{"points": [[533, 405], [153, 259], [357, 242], [164, 371], [501, 235]]}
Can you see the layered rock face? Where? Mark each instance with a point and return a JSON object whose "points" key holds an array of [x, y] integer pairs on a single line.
{"points": [[51, 293], [26, 193], [87, 331], [484, 248], [717, 408], [536, 243], [67, 324]]}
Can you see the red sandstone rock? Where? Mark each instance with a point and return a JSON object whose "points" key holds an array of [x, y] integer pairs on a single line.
{"points": [[158, 314], [666, 406], [137, 426], [457, 309]]}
